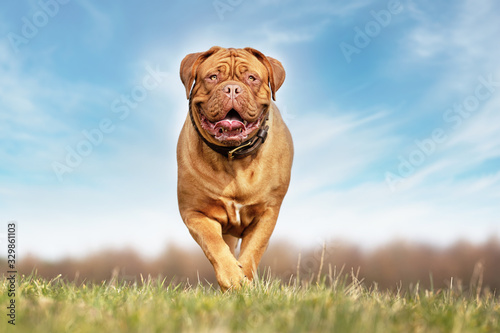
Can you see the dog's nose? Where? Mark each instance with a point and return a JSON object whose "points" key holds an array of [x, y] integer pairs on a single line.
{"points": [[232, 90]]}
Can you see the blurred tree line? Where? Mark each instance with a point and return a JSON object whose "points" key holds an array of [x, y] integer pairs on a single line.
{"points": [[398, 264]]}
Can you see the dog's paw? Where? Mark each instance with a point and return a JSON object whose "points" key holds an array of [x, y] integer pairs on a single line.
{"points": [[232, 277]]}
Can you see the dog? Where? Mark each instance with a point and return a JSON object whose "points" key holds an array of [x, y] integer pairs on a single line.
{"points": [[234, 158]]}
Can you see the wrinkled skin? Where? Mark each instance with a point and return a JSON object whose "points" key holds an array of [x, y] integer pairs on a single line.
{"points": [[222, 200]]}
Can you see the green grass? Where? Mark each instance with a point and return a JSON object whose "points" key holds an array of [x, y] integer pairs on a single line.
{"points": [[265, 306]]}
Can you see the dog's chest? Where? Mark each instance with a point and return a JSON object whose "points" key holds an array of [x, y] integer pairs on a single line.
{"points": [[239, 216], [233, 209]]}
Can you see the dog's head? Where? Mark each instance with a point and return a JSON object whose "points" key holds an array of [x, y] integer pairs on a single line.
{"points": [[232, 91]]}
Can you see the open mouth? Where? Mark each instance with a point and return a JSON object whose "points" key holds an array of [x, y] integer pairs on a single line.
{"points": [[232, 129]]}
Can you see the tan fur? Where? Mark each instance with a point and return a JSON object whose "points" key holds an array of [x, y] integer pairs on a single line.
{"points": [[211, 187]]}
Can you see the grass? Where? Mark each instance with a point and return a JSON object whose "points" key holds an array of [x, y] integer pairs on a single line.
{"points": [[268, 305]]}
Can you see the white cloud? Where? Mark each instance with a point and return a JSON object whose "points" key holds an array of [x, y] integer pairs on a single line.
{"points": [[457, 42], [480, 132], [473, 142], [370, 214], [124, 192], [332, 148], [297, 22], [464, 39], [274, 34], [437, 203]]}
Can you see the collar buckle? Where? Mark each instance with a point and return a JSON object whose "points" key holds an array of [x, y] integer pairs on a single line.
{"points": [[231, 152]]}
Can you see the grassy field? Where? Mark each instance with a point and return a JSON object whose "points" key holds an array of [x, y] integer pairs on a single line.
{"points": [[330, 305]]}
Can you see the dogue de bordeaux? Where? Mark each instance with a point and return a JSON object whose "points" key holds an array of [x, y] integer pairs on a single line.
{"points": [[234, 157]]}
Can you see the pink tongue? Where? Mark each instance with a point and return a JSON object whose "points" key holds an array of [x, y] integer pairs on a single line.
{"points": [[229, 125]]}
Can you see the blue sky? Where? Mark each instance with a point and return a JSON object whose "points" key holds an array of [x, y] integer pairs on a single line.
{"points": [[394, 108]]}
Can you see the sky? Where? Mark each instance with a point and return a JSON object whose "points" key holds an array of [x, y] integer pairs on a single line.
{"points": [[394, 109]]}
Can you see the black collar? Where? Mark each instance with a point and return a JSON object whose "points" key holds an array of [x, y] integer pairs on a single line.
{"points": [[245, 149]]}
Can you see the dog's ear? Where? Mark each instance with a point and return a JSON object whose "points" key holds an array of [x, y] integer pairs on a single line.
{"points": [[187, 71], [278, 74], [274, 68], [189, 65]]}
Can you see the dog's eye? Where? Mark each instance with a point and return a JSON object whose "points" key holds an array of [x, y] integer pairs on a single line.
{"points": [[251, 78], [213, 77]]}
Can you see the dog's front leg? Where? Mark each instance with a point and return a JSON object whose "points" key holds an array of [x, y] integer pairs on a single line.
{"points": [[208, 234], [255, 240]]}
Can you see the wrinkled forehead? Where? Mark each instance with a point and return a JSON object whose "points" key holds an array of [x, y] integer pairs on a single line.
{"points": [[232, 62]]}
